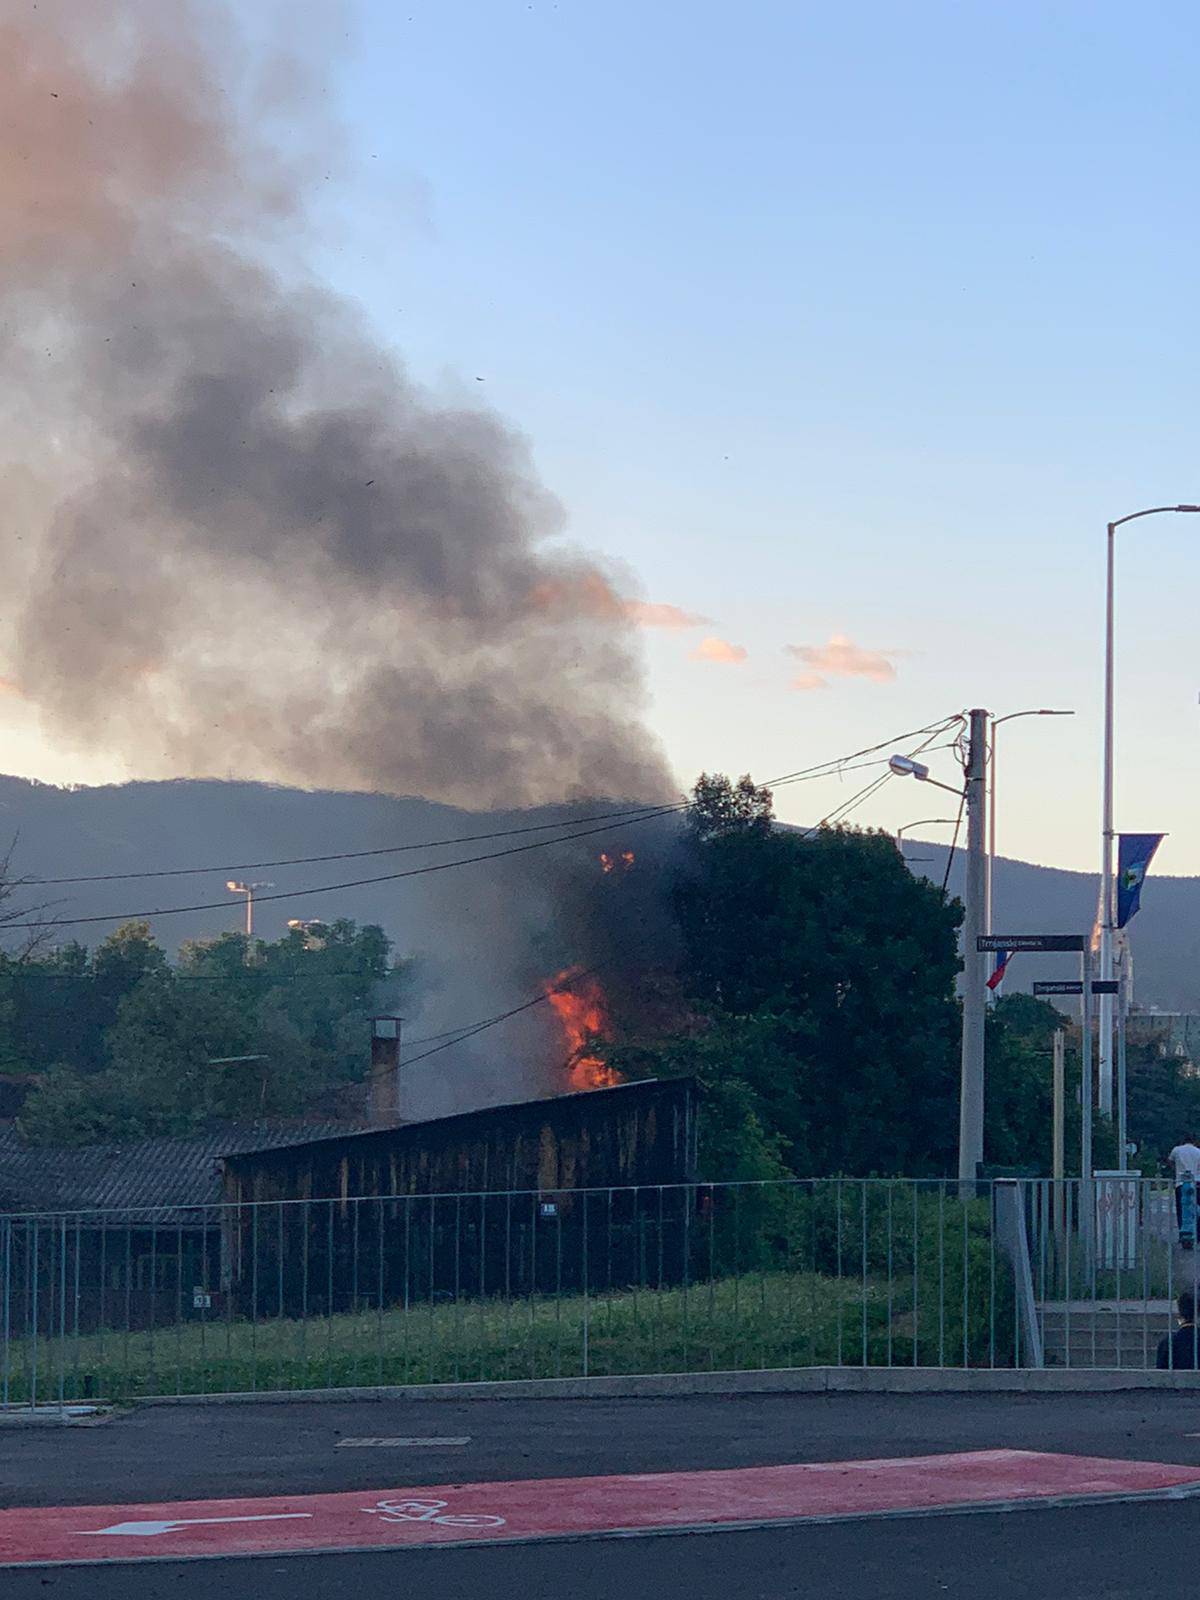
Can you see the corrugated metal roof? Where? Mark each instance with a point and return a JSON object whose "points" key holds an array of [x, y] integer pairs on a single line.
{"points": [[144, 1174]]}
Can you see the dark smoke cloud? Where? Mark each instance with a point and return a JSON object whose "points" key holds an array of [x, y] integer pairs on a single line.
{"points": [[243, 541]]}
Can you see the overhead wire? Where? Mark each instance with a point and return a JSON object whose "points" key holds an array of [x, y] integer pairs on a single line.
{"points": [[342, 855], [503, 1016], [490, 1022], [454, 1036], [823, 768], [960, 745], [646, 815], [953, 843]]}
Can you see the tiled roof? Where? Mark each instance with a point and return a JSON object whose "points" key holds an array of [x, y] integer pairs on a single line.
{"points": [[147, 1173]]}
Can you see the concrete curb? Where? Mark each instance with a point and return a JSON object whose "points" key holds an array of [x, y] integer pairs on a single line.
{"points": [[50, 1416], [790, 1380]]}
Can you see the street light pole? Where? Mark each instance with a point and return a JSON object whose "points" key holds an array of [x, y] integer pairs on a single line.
{"points": [[991, 855], [235, 886], [1107, 896], [974, 1002]]}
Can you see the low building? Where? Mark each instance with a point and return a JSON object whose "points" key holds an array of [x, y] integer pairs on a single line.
{"points": [[286, 1219], [508, 1199], [630, 1134], [96, 1235]]}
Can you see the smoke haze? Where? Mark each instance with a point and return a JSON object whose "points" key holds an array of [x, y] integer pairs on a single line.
{"points": [[238, 538]]}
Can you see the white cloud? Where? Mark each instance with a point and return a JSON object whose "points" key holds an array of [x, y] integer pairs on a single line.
{"points": [[719, 651], [661, 614], [841, 658]]}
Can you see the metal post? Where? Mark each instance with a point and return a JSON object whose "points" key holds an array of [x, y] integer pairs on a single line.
{"points": [[1087, 1208], [1106, 846], [991, 847], [1059, 1203], [1059, 1155], [974, 1005], [1122, 1105], [1107, 895]]}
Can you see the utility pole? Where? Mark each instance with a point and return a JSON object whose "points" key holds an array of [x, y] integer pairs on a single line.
{"points": [[1059, 1168], [1058, 1141], [974, 1003]]}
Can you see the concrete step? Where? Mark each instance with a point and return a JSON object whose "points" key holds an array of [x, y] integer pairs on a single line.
{"points": [[1104, 1334], [1091, 1351]]}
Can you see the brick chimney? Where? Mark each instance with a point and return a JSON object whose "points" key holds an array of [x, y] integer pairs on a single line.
{"points": [[383, 1082]]}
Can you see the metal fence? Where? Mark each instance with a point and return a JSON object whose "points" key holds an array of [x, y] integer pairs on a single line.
{"points": [[297, 1295], [1107, 1267]]}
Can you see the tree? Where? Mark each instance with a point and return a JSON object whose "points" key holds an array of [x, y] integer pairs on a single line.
{"points": [[58, 1004], [1163, 1094], [823, 974], [234, 1031], [720, 807], [1018, 1120]]}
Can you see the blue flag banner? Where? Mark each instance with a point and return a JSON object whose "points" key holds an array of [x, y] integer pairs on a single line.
{"points": [[1135, 852]]}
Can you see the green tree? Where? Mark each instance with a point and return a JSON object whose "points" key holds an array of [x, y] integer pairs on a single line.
{"points": [[57, 1005], [719, 806], [234, 1031], [823, 975]]}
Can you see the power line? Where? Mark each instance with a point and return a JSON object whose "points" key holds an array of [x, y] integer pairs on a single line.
{"points": [[24, 975], [503, 1016], [824, 768], [646, 815], [953, 843], [341, 855], [841, 812], [330, 888]]}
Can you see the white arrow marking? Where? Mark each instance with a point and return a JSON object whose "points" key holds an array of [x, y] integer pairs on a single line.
{"points": [[146, 1529]]}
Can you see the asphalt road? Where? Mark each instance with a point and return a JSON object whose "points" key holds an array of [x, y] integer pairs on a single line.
{"points": [[1101, 1552]]}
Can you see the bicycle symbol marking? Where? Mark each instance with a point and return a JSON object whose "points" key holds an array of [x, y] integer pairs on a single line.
{"points": [[429, 1511]]}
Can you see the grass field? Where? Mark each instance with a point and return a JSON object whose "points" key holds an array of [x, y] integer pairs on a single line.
{"points": [[758, 1320]]}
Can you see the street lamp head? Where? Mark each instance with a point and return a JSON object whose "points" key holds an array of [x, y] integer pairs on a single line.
{"points": [[1186, 508], [906, 767], [235, 887]]}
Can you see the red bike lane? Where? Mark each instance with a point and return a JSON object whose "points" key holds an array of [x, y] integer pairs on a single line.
{"points": [[531, 1509]]}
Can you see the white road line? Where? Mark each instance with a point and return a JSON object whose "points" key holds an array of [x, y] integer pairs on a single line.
{"points": [[397, 1444]]}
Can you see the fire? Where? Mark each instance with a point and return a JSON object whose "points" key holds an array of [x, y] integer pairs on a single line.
{"points": [[579, 1005], [616, 863]]}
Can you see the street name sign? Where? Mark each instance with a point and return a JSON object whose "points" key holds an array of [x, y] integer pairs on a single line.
{"points": [[1068, 986], [1056, 942]]}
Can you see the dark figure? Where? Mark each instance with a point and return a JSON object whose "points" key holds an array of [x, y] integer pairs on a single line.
{"points": [[1178, 1351]]}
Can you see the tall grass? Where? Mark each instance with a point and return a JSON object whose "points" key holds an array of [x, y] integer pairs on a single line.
{"points": [[953, 1309]]}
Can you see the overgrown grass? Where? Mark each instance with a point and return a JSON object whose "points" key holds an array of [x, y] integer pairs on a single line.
{"points": [[951, 1314]]}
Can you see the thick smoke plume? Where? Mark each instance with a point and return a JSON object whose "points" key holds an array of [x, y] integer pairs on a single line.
{"points": [[237, 537]]}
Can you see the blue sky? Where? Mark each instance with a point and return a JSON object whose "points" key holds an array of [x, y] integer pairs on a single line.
{"points": [[849, 321]]}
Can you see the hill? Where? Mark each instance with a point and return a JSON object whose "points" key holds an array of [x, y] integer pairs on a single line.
{"points": [[490, 931]]}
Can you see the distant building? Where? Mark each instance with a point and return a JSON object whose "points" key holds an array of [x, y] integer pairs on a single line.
{"points": [[1175, 1034]]}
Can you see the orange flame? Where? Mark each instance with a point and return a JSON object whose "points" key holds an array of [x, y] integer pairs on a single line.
{"points": [[583, 1016], [616, 863]]}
